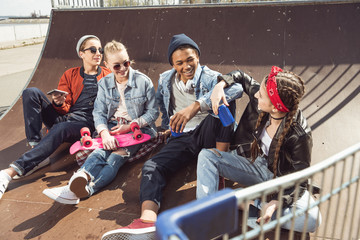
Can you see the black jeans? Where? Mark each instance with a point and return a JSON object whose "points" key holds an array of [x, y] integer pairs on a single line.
{"points": [[38, 110], [177, 153]]}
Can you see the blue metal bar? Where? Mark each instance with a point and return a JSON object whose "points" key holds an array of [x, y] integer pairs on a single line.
{"points": [[206, 218]]}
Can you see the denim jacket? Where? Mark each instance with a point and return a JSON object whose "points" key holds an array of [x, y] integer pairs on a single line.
{"points": [[204, 80], [139, 100]]}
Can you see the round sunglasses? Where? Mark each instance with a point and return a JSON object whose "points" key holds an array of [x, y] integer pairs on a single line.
{"points": [[93, 50], [126, 64]]}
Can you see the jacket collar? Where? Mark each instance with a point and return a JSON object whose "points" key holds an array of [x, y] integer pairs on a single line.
{"points": [[298, 118], [197, 75], [131, 82]]}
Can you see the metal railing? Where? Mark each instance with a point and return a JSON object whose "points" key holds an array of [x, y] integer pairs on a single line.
{"points": [[335, 183], [77, 3], [63, 4]]}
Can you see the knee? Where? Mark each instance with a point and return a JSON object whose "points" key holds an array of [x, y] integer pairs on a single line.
{"points": [[314, 220], [97, 154], [57, 129], [122, 152], [30, 92], [63, 132], [149, 166], [205, 156]]}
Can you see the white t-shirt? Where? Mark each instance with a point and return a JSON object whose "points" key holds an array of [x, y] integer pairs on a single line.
{"points": [[265, 141]]}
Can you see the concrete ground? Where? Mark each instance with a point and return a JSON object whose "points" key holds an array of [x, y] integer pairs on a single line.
{"points": [[17, 62]]}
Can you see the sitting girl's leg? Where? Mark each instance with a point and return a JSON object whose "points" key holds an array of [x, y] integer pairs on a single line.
{"points": [[79, 182], [213, 163], [313, 218], [104, 172]]}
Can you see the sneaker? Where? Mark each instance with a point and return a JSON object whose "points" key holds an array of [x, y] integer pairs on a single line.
{"points": [[41, 165], [78, 184], [4, 182], [136, 230], [62, 195]]}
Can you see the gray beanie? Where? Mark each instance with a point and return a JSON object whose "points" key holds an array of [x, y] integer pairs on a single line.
{"points": [[179, 40], [81, 40]]}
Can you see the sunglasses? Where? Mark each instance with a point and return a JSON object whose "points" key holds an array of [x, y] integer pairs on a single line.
{"points": [[118, 66], [93, 50]]}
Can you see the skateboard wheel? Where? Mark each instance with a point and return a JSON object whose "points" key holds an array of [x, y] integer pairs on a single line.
{"points": [[138, 135], [134, 126], [87, 141], [85, 131]]}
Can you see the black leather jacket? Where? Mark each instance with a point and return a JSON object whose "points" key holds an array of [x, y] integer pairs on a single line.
{"points": [[295, 152]]}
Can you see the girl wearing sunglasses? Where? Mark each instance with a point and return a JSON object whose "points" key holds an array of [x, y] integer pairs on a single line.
{"points": [[124, 96], [272, 139]]}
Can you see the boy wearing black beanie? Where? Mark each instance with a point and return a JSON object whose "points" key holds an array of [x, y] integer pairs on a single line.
{"points": [[183, 96]]}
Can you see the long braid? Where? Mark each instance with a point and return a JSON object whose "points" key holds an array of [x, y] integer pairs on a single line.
{"points": [[289, 120], [291, 89]]}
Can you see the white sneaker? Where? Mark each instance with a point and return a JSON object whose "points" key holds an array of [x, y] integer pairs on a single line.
{"points": [[4, 182], [62, 195], [78, 184], [41, 165]]}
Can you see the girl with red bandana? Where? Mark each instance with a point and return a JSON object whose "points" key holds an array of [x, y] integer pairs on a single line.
{"points": [[272, 139]]}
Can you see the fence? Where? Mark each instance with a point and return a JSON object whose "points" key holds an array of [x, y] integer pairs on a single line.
{"points": [[77, 3], [125, 3], [337, 198]]}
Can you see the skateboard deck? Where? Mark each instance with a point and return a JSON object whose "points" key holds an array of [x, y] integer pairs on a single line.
{"points": [[125, 140]]}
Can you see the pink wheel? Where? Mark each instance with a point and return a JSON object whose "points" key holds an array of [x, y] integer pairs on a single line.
{"points": [[85, 131], [137, 134], [86, 141], [134, 126]]}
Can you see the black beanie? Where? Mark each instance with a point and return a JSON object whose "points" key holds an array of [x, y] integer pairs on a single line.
{"points": [[179, 40]]}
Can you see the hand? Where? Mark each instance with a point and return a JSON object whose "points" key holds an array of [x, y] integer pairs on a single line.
{"points": [[58, 98], [182, 117], [120, 129], [269, 210], [217, 96], [109, 142], [164, 135]]}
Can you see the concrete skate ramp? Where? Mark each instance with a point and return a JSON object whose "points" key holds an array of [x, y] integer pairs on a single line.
{"points": [[317, 41]]}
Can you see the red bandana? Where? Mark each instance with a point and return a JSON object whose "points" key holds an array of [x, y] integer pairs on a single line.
{"points": [[271, 88]]}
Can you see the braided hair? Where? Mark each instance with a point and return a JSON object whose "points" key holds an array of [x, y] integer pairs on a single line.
{"points": [[291, 89]]}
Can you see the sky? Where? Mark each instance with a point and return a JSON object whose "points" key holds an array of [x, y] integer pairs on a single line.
{"points": [[24, 8]]}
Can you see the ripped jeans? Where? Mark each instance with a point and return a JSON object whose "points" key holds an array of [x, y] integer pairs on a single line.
{"points": [[211, 165], [103, 165]]}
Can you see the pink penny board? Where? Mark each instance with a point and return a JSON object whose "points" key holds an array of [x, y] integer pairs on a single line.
{"points": [[124, 141]]}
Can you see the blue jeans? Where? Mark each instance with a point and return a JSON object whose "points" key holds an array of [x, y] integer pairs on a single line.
{"points": [[211, 165], [38, 110], [103, 165], [230, 165]]}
